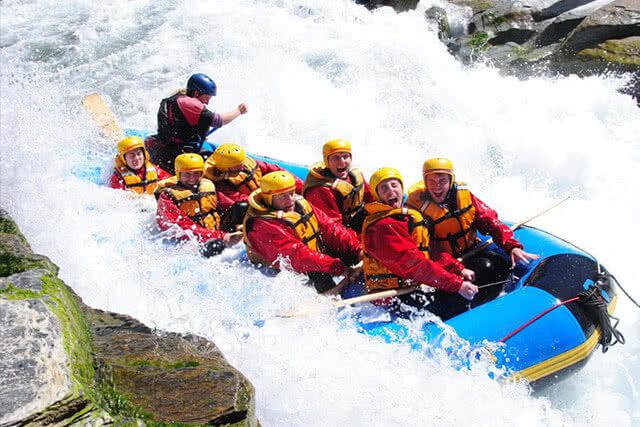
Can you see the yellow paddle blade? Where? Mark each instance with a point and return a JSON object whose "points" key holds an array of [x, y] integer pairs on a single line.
{"points": [[100, 112]]}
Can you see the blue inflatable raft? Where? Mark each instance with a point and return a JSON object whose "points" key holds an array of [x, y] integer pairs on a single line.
{"points": [[547, 331], [548, 321]]}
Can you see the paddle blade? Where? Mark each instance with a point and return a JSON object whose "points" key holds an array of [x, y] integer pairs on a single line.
{"points": [[100, 112]]}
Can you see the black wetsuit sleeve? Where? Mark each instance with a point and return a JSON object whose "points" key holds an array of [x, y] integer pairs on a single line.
{"points": [[206, 121]]}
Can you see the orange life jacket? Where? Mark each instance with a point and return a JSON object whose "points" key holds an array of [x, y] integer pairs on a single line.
{"points": [[302, 220], [132, 180], [200, 206], [377, 276], [451, 231], [246, 180], [350, 195]]}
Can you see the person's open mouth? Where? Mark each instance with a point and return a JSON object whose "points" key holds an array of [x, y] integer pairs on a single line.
{"points": [[392, 201]]}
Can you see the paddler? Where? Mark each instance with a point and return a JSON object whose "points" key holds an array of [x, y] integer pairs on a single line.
{"points": [[190, 201], [395, 242], [236, 175], [281, 225], [455, 216], [133, 170], [336, 188], [184, 121]]}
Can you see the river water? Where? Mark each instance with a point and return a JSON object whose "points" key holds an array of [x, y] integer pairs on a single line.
{"points": [[313, 70]]}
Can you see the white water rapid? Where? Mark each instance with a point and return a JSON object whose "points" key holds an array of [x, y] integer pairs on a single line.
{"points": [[312, 70]]}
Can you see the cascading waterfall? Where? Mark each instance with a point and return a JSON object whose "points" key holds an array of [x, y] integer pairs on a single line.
{"points": [[313, 70]]}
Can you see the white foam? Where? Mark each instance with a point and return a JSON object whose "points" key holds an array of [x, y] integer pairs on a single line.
{"points": [[313, 70]]}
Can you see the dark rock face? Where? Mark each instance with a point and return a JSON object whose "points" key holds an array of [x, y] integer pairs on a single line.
{"points": [[557, 9], [556, 31], [176, 378], [514, 35], [398, 5], [618, 20], [64, 363]]}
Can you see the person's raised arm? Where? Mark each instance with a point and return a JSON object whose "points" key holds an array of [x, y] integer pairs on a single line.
{"points": [[230, 116]]}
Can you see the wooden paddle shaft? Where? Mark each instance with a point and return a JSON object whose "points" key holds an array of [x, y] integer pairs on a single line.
{"points": [[100, 112], [375, 296], [514, 227]]}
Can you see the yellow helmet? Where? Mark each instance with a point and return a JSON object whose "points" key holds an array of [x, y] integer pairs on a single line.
{"points": [[382, 175], [277, 182], [438, 165], [335, 146], [131, 143], [188, 162], [228, 156]]}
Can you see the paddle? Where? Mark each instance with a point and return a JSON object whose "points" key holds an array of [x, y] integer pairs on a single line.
{"points": [[350, 277], [102, 115], [356, 300], [514, 227]]}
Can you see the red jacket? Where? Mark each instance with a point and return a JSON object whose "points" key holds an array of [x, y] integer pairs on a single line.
{"points": [[389, 242], [117, 182], [232, 192], [325, 199], [169, 215], [487, 222], [271, 238]]}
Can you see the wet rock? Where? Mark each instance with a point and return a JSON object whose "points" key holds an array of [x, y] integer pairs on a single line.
{"points": [[617, 20], [63, 363], [507, 15], [477, 6], [557, 30], [438, 16], [558, 8], [546, 37], [624, 51], [176, 378], [512, 35], [397, 5], [33, 370]]}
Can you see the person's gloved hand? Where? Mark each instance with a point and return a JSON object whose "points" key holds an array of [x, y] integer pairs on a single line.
{"points": [[212, 247], [235, 216], [352, 259]]}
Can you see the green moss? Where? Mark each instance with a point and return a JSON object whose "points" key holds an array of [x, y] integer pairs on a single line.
{"points": [[498, 20], [117, 404], [12, 264], [478, 6], [244, 395], [479, 40], [77, 334], [9, 227], [12, 293], [625, 51]]}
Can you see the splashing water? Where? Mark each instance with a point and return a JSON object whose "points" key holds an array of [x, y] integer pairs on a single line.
{"points": [[313, 70]]}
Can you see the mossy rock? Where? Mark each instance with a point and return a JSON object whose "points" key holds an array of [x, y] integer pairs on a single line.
{"points": [[7, 226], [624, 51], [171, 378], [117, 370], [16, 255]]}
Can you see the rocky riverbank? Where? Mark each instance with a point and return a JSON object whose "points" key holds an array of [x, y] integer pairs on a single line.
{"points": [[63, 363], [544, 37]]}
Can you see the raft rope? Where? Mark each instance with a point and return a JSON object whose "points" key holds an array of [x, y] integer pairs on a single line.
{"points": [[596, 308], [624, 290], [511, 279]]}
